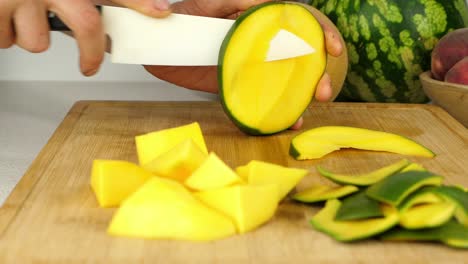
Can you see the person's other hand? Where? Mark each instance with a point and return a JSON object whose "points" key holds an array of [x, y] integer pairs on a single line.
{"points": [[24, 23]]}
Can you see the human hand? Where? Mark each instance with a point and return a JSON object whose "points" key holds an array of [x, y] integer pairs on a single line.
{"points": [[204, 78], [24, 23]]}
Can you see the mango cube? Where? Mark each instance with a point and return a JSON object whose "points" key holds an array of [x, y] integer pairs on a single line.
{"points": [[259, 172], [248, 205], [212, 173], [113, 180], [150, 146], [165, 209], [179, 162]]}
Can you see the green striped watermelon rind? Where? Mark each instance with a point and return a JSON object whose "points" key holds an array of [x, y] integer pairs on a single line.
{"points": [[389, 51]]}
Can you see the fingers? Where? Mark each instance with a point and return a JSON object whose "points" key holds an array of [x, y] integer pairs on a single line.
{"points": [[324, 89], [85, 22], [7, 37], [333, 42], [154, 8], [213, 8], [32, 30], [298, 124]]}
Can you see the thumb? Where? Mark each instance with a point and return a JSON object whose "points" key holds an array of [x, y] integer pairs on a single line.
{"points": [[154, 8], [214, 8]]}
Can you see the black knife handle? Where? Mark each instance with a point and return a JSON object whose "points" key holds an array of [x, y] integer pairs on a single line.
{"points": [[56, 24]]}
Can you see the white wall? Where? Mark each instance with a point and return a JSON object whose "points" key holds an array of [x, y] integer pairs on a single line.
{"points": [[60, 62]]}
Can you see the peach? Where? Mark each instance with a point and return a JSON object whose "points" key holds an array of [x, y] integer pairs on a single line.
{"points": [[450, 49]]}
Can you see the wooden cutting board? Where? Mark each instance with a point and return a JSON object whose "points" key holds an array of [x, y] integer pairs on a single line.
{"points": [[52, 215]]}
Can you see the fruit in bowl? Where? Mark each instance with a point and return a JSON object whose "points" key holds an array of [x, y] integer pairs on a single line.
{"points": [[449, 60], [446, 84]]}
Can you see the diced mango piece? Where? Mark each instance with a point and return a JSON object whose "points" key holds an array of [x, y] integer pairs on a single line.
{"points": [[259, 172], [165, 209], [248, 205], [150, 146], [113, 180], [243, 172], [212, 173], [179, 162]]}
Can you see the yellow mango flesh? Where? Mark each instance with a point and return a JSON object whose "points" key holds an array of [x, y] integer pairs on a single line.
{"points": [[179, 162], [267, 97], [324, 192], [243, 172], [152, 145], [212, 173], [259, 172], [413, 167], [248, 205], [424, 198], [318, 142], [325, 221], [165, 209], [365, 179], [113, 180], [427, 215]]}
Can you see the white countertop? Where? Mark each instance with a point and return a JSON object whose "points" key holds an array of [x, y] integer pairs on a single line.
{"points": [[30, 111]]}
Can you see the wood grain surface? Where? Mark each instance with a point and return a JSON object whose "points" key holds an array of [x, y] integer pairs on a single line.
{"points": [[52, 215]]}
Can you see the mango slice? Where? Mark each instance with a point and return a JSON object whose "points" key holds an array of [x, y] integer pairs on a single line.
{"points": [[419, 197], [150, 146], [114, 180], [319, 193], [318, 142], [367, 178], [394, 189], [164, 209], [325, 221], [427, 215], [179, 162], [413, 167], [358, 206], [451, 233], [248, 205], [260, 172], [457, 196], [212, 173]]}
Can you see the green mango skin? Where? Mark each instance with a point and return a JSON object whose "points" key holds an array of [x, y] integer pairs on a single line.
{"points": [[394, 189], [451, 233], [357, 207]]}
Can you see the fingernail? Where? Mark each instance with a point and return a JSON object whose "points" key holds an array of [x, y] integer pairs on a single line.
{"points": [[162, 5], [89, 72]]}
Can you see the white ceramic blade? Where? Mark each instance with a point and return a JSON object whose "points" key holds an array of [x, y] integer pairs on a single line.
{"points": [[287, 45], [181, 40]]}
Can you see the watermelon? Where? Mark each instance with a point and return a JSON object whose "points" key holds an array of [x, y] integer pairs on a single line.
{"points": [[390, 43]]}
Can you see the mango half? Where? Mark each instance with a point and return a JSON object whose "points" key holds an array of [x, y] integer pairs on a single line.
{"points": [[268, 97]]}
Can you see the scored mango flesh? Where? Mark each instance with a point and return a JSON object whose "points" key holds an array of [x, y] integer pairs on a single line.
{"points": [[267, 97]]}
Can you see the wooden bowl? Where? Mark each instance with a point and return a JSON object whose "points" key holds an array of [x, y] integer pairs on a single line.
{"points": [[452, 97]]}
